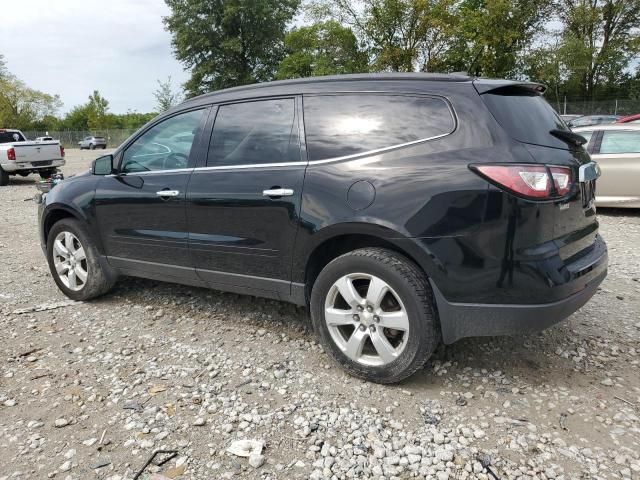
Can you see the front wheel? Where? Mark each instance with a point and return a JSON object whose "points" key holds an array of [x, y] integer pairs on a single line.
{"points": [[74, 261], [92, 146], [373, 311]]}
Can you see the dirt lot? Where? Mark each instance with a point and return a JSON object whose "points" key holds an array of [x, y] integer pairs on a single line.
{"points": [[90, 390]]}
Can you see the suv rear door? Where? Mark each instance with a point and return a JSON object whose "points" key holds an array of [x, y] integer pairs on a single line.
{"points": [[243, 204]]}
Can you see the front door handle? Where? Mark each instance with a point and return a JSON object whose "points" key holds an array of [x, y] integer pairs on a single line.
{"points": [[168, 193], [277, 192]]}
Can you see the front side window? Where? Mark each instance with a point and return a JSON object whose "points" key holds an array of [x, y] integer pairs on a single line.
{"points": [[620, 141], [340, 125], [258, 132], [165, 146]]}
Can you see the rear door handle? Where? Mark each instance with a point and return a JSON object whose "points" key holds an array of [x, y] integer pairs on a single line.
{"points": [[168, 193], [277, 192]]}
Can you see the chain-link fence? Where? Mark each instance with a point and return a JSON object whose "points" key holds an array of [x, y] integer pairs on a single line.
{"points": [[615, 106], [70, 139]]}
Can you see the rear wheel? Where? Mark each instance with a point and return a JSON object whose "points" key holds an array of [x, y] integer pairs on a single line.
{"points": [[372, 309], [45, 174], [4, 178], [104, 147], [74, 261]]}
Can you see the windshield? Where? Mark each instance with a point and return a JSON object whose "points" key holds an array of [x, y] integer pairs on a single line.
{"points": [[8, 137], [526, 116]]}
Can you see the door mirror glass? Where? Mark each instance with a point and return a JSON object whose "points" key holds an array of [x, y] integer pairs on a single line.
{"points": [[102, 165]]}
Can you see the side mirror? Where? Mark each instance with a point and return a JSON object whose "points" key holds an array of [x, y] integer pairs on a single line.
{"points": [[102, 165]]}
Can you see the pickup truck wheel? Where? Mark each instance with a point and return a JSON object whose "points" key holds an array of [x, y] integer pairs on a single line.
{"points": [[45, 174], [92, 146], [4, 178], [373, 311], [74, 261]]}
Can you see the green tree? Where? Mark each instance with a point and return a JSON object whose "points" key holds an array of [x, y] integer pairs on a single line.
{"points": [[399, 35], [228, 43], [98, 108], [600, 39], [321, 49], [492, 35], [21, 106], [166, 97], [3, 67]]}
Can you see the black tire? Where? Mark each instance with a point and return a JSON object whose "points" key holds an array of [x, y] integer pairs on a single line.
{"points": [[45, 174], [92, 146], [104, 147], [410, 284], [4, 178], [98, 281]]}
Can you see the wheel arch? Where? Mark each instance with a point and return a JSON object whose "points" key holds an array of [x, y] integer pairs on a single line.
{"points": [[54, 214], [337, 240]]}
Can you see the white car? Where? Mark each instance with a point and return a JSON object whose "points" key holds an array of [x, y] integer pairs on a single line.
{"points": [[21, 157], [616, 148]]}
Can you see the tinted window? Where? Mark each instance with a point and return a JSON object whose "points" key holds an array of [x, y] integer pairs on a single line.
{"points": [[163, 146], [7, 137], [526, 116], [339, 125], [620, 141], [264, 131]]}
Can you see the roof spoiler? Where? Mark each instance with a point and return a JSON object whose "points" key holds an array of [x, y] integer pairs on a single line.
{"points": [[484, 85]]}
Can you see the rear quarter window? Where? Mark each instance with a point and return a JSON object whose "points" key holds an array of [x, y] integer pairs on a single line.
{"points": [[526, 116], [349, 124]]}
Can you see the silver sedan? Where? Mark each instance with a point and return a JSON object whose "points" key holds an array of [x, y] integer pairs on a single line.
{"points": [[616, 148]]}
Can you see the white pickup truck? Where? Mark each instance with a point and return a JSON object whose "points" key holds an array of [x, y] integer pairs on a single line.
{"points": [[21, 157]]}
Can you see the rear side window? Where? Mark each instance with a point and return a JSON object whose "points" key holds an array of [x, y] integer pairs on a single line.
{"points": [[340, 125], [264, 131], [526, 116], [620, 141], [8, 137]]}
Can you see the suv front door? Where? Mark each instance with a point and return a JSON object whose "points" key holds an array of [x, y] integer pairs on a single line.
{"points": [[141, 209], [243, 205]]}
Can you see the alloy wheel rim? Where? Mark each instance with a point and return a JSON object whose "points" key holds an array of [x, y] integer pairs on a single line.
{"points": [[366, 319], [70, 261]]}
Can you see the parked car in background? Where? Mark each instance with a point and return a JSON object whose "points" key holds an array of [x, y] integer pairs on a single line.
{"points": [[18, 156], [616, 148], [402, 209], [568, 117], [92, 143], [629, 119], [587, 120]]}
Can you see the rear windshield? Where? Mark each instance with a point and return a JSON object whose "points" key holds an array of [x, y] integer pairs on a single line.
{"points": [[526, 116], [7, 137]]}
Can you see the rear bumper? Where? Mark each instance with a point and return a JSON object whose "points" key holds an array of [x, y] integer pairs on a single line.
{"points": [[12, 167], [460, 320]]}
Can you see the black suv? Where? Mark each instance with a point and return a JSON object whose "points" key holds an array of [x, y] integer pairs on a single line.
{"points": [[402, 209]]}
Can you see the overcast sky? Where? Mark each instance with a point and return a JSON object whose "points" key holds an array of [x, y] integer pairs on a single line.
{"points": [[72, 47]]}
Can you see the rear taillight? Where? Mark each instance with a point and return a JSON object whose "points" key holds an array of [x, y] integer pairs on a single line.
{"points": [[11, 154], [61, 151], [537, 182], [561, 179]]}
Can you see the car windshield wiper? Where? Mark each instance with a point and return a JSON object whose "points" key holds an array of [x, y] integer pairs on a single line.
{"points": [[569, 137]]}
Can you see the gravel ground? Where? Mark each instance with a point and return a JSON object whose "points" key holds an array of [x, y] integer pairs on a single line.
{"points": [[90, 390]]}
